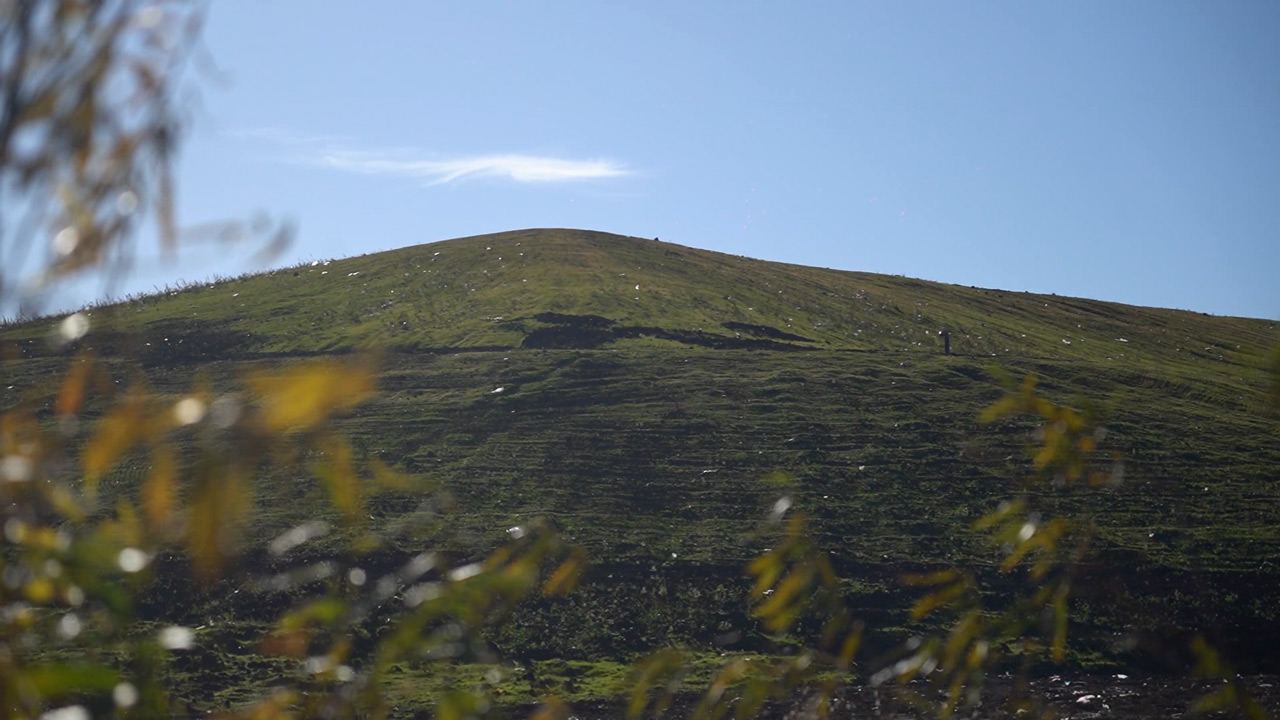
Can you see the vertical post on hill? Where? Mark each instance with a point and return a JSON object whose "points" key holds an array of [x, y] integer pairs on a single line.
{"points": [[946, 341]]}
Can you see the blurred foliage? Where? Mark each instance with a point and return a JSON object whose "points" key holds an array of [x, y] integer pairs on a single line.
{"points": [[88, 128], [792, 582], [89, 125], [1032, 625], [982, 632], [72, 569], [1232, 696]]}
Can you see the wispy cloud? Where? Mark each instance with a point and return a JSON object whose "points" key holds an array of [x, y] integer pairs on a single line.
{"points": [[521, 168], [413, 163]]}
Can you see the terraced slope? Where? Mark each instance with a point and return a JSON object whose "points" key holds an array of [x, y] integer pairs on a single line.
{"points": [[639, 393]]}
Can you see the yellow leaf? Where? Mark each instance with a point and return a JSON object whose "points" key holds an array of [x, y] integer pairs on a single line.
{"points": [[940, 577], [1073, 420], [339, 475], [1060, 623], [306, 395], [837, 622], [781, 621], [39, 591], [159, 490], [953, 695], [1216, 701], [501, 556], [933, 601], [650, 672], [220, 506], [1046, 455], [565, 578], [1028, 386], [753, 697], [120, 430], [791, 586], [1006, 405], [766, 574], [966, 629], [762, 561], [286, 643], [125, 528], [387, 477], [849, 647], [340, 651], [731, 673], [71, 396], [1208, 662], [999, 515], [552, 708], [448, 709], [1019, 551], [65, 503], [1042, 407]]}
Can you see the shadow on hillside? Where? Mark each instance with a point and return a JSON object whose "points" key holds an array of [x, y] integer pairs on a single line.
{"points": [[550, 330]]}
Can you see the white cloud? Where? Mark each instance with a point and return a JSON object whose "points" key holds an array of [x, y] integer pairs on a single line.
{"points": [[521, 168], [335, 153]]}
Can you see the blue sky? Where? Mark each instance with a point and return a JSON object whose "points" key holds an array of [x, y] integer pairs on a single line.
{"points": [[1126, 151]]}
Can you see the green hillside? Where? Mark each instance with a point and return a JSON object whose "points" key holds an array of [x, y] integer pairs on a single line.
{"points": [[490, 290], [639, 393]]}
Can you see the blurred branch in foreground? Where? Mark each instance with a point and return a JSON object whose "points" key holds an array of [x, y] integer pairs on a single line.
{"points": [[90, 126]]}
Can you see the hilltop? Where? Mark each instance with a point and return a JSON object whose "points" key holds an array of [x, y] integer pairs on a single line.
{"points": [[641, 393], [519, 289]]}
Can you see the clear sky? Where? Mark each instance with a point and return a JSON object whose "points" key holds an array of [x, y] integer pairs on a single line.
{"points": [[1126, 151]]}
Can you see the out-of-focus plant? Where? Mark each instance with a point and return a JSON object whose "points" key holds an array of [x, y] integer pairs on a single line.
{"points": [[72, 570], [88, 131], [793, 583], [1031, 626], [89, 127], [1232, 695], [436, 613], [984, 631], [90, 124]]}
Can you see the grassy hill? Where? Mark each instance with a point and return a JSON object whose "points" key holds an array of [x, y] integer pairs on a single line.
{"points": [[639, 393], [496, 290]]}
